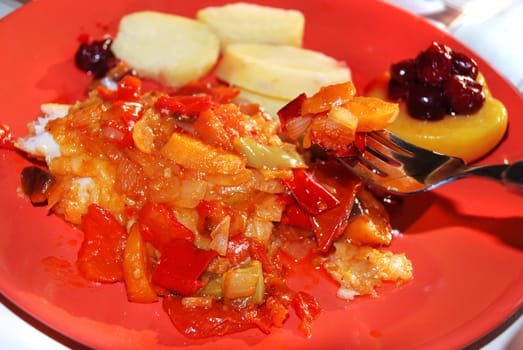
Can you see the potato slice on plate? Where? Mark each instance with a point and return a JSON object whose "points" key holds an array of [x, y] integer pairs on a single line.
{"points": [[270, 105], [279, 71], [168, 48], [241, 22]]}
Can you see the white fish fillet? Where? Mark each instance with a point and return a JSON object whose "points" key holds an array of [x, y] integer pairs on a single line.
{"points": [[39, 143]]}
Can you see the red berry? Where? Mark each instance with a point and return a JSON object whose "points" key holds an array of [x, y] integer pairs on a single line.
{"points": [[437, 82], [426, 102], [434, 65], [398, 91], [403, 71], [465, 95], [95, 57], [402, 74], [464, 65]]}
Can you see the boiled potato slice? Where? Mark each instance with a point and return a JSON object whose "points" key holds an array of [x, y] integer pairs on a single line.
{"points": [[271, 105], [241, 22], [279, 71], [168, 48]]}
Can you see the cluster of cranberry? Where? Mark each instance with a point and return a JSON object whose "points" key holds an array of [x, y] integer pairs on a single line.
{"points": [[437, 82], [95, 57]]}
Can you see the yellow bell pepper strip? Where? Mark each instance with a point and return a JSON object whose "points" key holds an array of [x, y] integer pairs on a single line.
{"points": [[328, 97], [268, 157], [192, 153], [101, 254], [372, 226], [137, 269], [180, 266], [309, 193]]}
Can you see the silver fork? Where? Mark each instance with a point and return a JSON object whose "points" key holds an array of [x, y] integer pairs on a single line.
{"points": [[397, 166]]}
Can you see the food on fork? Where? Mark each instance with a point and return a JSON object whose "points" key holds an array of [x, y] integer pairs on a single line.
{"points": [[252, 23], [335, 120], [445, 103]]}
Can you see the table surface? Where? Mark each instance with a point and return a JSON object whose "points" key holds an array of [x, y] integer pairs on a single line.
{"points": [[482, 25]]}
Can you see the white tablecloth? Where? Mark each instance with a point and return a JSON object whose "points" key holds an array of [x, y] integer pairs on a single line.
{"points": [[497, 39]]}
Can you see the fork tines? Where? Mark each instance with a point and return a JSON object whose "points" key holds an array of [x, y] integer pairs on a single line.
{"points": [[381, 153]]}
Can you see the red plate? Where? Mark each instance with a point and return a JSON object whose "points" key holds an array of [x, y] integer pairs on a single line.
{"points": [[465, 239]]}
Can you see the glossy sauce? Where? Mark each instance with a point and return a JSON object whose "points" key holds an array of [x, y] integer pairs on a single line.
{"points": [[171, 207]]}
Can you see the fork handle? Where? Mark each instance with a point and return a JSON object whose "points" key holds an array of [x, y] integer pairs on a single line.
{"points": [[511, 174]]}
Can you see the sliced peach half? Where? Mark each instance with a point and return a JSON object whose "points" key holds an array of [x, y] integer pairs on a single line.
{"points": [[468, 136]]}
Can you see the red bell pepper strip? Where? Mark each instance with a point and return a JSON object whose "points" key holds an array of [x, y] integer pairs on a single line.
{"points": [[183, 104], [309, 193], [102, 252], [223, 93], [159, 225], [218, 320], [125, 110], [241, 248], [295, 216], [119, 128], [291, 110], [308, 309], [129, 89], [128, 112], [329, 225], [355, 148], [180, 266], [210, 214], [218, 92]]}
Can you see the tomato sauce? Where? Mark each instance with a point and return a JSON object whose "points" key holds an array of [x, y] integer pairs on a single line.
{"points": [[174, 207]]}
